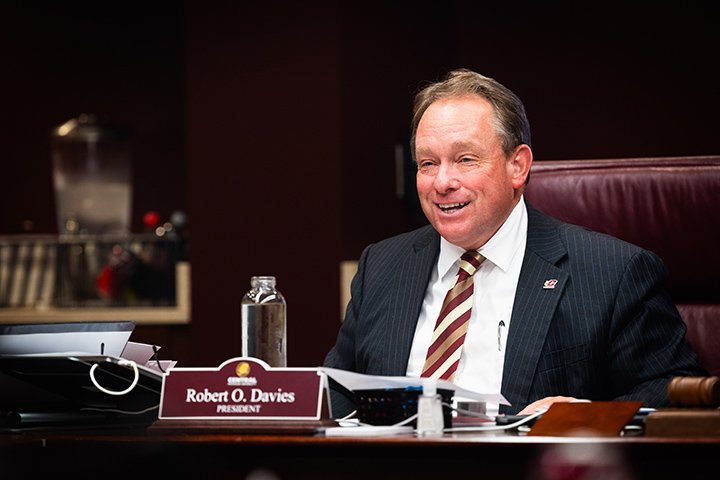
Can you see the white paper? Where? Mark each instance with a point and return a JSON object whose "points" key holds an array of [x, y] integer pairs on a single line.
{"points": [[143, 354], [164, 366], [358, 381], [139, 353]]}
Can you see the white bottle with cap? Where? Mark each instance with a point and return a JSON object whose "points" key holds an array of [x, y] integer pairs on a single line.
{"points": [[430, 420]]}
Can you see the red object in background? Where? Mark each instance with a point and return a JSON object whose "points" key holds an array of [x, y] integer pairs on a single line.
{"points": [[115, 280], [151, 220], [107, 283]]}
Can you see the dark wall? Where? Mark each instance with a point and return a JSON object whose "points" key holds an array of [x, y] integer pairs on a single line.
{"points": [[275, 124], [120, 62], [263, 143]]}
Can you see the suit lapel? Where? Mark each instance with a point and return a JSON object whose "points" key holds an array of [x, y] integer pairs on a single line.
{"points": [[410, 285], [539, 289]]}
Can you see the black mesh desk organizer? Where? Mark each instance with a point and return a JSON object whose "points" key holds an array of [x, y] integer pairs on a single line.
{"points": [[56, 391]]}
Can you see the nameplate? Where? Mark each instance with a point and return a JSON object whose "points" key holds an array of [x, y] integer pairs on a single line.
{"points": [[242, 388]]}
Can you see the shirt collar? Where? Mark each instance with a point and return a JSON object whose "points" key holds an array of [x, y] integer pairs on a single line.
{"points": [[499, 250]]}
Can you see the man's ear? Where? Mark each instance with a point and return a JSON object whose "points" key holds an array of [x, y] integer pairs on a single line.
{"points": [[520, 162]]}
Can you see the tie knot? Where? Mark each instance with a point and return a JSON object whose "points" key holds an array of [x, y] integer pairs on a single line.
{"points": [[469, 263]]}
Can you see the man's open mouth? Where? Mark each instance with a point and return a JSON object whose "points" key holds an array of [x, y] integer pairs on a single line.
{"points": [[451, 207]]}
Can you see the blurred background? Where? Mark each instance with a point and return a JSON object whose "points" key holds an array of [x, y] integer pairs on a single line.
{"points": [[280, 129]]}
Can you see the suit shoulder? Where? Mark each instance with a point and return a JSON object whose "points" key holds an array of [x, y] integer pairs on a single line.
{"points": [[414, 239], [387, 252]]}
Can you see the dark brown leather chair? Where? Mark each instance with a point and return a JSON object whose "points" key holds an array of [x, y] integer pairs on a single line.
{"points": [[670, 206]]}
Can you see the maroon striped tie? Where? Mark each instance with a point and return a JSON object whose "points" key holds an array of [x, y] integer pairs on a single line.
{"points": [[447, 341]]}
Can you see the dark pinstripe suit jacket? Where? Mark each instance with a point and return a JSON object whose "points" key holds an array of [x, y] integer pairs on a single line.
{"points": [[608, 330]]}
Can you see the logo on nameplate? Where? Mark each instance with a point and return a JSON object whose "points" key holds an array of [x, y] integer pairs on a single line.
{"points": [[242, 388]]}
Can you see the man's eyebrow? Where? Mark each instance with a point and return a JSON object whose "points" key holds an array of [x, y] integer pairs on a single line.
{"points": [[465, 145], [421, 152], [459, 145]]}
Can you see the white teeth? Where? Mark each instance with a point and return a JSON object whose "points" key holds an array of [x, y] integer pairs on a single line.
{"points": [[450, 206]]}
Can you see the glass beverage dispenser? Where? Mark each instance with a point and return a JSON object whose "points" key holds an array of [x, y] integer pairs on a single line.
{"points": [[92, 177]]}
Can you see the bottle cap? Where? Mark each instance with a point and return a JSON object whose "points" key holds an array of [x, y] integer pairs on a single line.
{"points": [[267, 281], [429, 387]]}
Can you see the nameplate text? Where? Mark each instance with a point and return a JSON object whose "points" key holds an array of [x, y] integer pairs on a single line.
{"points": [[242, 388]]}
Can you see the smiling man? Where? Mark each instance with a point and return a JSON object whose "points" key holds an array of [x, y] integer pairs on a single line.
{"points": [[496, 296]]}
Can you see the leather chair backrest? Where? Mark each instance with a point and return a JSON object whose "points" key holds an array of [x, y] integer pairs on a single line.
{"points": [[670, 206]]}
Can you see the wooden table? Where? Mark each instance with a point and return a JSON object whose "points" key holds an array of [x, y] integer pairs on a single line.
{"points": [[235, 455]]}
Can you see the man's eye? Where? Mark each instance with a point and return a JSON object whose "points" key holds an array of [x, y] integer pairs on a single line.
{"points": [[425, 165], [469, 162]]}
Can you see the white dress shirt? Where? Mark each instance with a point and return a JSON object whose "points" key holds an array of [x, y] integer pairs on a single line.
{"points": [[481, 363]]}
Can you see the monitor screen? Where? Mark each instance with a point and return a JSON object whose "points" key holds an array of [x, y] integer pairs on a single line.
{"points": [[94, 338]]}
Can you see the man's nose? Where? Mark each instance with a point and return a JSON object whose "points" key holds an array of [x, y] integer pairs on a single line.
{"points": [[447, 178]]}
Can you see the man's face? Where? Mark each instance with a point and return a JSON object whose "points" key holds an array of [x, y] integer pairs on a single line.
{"points": [[467, 186]]}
